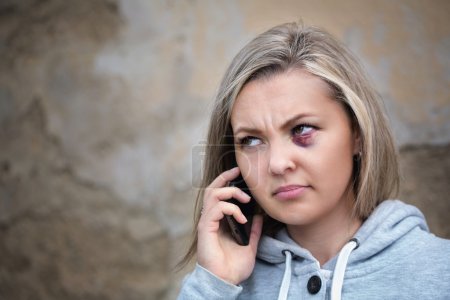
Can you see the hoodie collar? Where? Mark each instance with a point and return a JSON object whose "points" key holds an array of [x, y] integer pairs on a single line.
{"points": [[282, 249], [271, 249]]}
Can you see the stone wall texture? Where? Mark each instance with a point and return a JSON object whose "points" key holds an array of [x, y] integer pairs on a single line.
{"points": [[103, 101]]}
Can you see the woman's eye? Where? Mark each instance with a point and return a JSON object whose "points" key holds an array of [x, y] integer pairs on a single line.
{"points": [[250, 141], [302, 134], [302, 130]]}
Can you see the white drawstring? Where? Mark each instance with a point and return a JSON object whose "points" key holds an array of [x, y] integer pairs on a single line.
{"points": [[338, 275], [284, 289], [339, 270]]}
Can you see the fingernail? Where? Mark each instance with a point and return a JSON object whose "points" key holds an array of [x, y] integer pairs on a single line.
{"points": [[245, 195]]}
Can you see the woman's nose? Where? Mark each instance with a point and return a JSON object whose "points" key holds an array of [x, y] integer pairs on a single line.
{"points": [[280, 160]]}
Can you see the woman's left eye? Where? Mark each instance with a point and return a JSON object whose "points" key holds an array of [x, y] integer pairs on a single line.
{"points": [[302, 134], [303, 130]]}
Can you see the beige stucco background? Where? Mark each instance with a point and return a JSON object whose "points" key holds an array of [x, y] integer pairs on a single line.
{"points": [[103, 101]]}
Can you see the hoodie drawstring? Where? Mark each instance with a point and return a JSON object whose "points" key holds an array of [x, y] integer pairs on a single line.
{"points": [[338, 275], [286, 277], [339, 270]]}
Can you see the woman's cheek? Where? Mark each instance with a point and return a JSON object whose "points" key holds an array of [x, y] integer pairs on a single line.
{"points": [[303, 140], [244, 162], [251, 165]]}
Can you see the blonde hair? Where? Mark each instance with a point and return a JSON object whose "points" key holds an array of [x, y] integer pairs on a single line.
{"points": [[289, 46]]}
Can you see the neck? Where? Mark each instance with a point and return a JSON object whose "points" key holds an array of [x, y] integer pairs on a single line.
{"points": [[325, 238]]}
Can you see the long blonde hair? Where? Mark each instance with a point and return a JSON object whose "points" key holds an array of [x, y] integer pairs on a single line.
{"points": [[289, 46]]}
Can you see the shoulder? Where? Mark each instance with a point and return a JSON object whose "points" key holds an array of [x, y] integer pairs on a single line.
{"points": [[410, 253], [423, 247], [418, 256], [424, 264], [429, 249], [418, 263]]}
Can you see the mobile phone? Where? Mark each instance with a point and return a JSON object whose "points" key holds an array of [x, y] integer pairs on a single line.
{"points": [[241, 232]]}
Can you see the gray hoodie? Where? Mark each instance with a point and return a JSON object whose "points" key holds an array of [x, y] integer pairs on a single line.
{"points": [[392, 256]]}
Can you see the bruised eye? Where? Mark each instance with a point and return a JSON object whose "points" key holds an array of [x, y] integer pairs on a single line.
{"points": [[249, 141], [302, 129], [302, 134]]}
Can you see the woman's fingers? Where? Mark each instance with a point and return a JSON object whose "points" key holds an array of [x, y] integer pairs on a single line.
{"points": [[223, 179], [225, 193], [217, 213]]}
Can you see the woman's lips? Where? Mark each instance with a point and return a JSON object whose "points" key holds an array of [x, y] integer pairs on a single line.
{"points": [[289, 192]]}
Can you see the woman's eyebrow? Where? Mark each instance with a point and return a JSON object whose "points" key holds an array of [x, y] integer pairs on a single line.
{"points": [[249, 130], [292, 121], [287, 124]]}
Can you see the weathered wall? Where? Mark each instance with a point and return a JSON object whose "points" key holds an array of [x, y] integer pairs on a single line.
{"points": [[102, 102]]}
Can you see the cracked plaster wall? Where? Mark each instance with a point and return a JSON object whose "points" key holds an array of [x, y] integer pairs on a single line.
{"points": [[102, 103]]}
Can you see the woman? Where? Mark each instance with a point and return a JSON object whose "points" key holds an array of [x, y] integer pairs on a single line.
{"points": [[298, 117]]}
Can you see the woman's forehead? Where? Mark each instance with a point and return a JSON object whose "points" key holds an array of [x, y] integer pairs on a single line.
{"points": [[282, 95]]}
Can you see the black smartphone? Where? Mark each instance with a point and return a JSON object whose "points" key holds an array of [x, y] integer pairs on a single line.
{"points": [[241, 232]]}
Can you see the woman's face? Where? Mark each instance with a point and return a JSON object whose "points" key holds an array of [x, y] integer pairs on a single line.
{"points": [[295, 147]]}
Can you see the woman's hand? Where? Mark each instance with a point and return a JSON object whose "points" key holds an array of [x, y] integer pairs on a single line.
{"points": [[217, 251]]}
